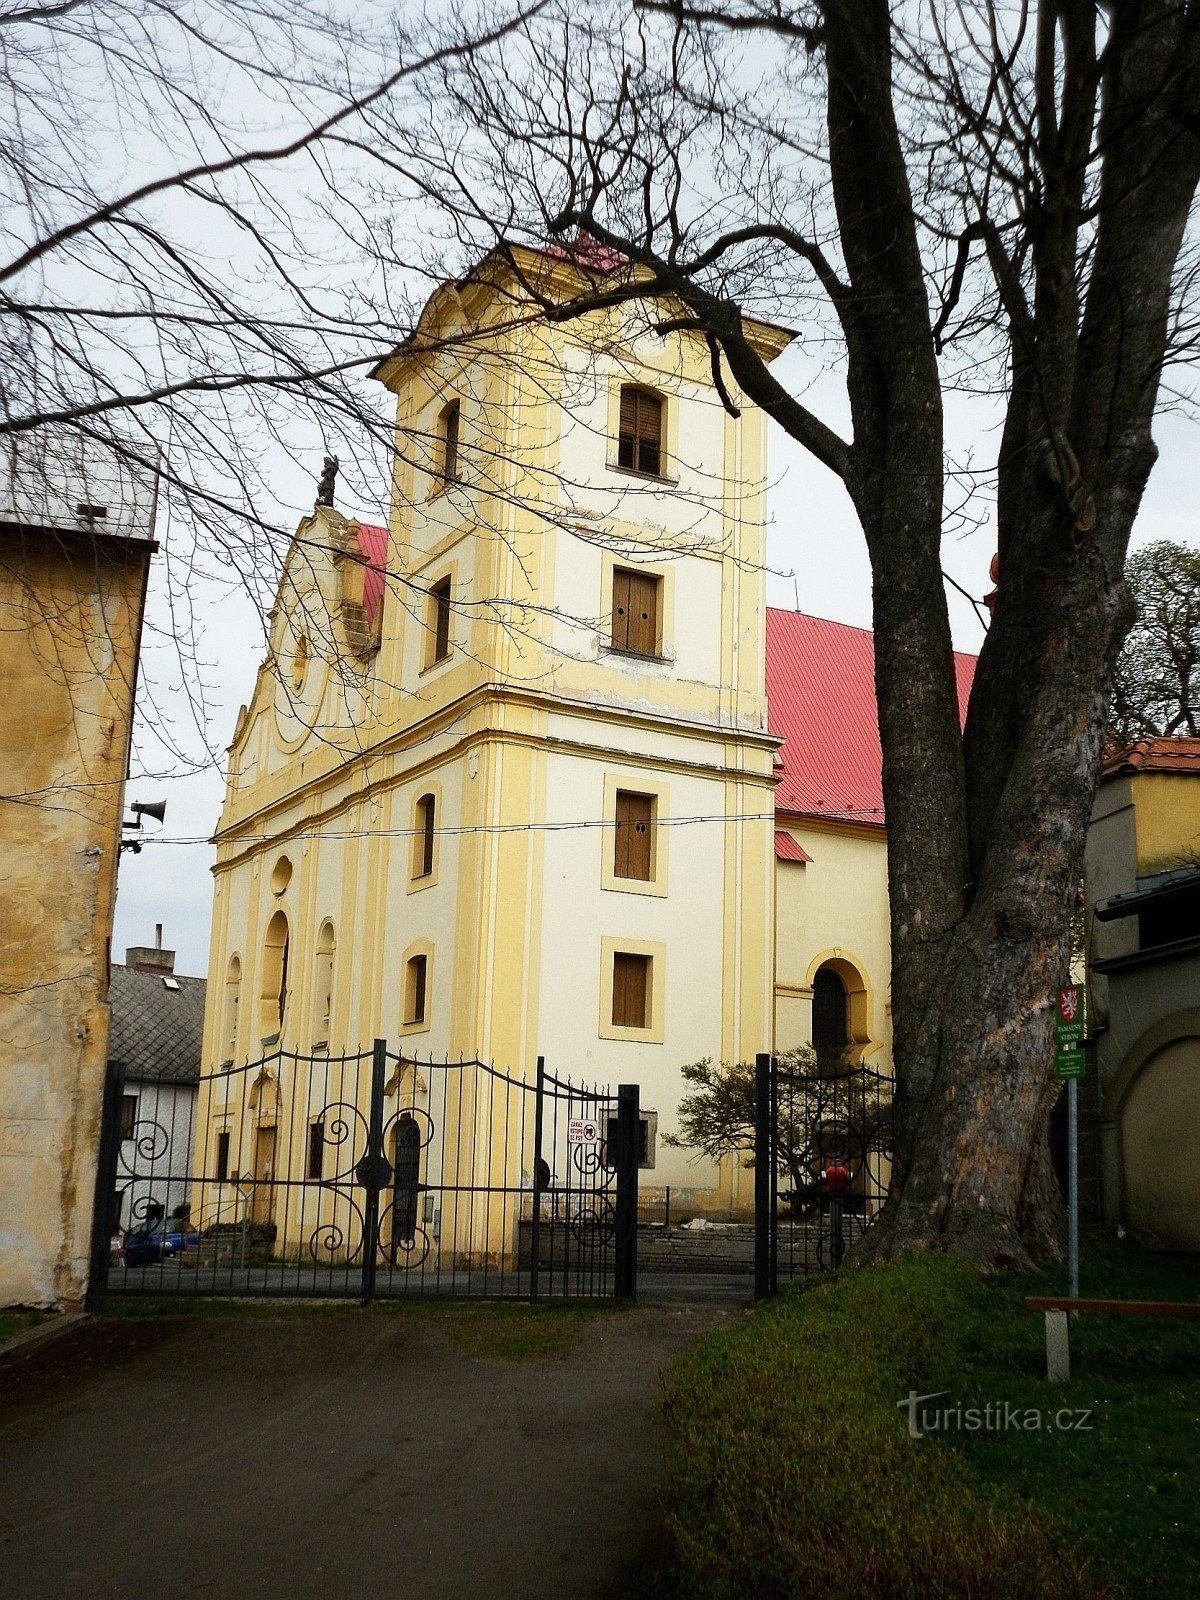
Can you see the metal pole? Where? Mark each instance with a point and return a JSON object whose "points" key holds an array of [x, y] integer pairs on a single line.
{"points": [[371, 1174], [763, 1162], [106, 1182], [1073, 1185], [535, 1231], [628, 1118]]}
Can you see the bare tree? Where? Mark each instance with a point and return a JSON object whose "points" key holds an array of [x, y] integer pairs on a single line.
{"points": [[1157, 685], [994, 198]]}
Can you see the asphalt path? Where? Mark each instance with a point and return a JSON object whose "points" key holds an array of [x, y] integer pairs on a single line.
{"points": [[332, 1455]]}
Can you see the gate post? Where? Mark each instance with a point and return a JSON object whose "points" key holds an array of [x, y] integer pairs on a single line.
{"points": [[764, 1165], [535, 1228], [370, 1171], [106, 1182], [628, 1118]]}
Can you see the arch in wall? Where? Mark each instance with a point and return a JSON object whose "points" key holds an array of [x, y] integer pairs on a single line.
{"points": [[1154, 1103], [273, 990], [837, 964], [323, 986], [233, 1000]]}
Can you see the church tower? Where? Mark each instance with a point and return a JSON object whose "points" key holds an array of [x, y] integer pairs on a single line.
{"points": [[541, 822]]}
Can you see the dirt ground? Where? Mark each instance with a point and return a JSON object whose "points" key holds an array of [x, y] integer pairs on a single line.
{"points": [[333, 1455]]}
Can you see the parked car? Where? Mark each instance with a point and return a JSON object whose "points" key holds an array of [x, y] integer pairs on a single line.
{"points": [[158, 1241]]}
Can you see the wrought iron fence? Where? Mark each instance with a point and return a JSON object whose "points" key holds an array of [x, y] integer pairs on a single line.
{"points": [[364, 1174], [823, 1163]]}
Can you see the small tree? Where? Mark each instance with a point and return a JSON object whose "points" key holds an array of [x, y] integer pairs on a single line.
{"points": [[828, 1113], [1157, 687]]}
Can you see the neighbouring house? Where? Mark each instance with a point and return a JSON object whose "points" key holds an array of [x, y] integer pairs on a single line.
{"points": [[73, 575], [1143, 907], [156, 1037], [534, 772]]}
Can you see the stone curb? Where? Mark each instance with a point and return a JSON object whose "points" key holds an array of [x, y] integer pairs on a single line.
{"points": [[42, 1333]]}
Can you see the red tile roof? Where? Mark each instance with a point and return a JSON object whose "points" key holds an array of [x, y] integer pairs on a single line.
{"points": [[373, 546], [821, 702], [786, 848], [1154, 755]]}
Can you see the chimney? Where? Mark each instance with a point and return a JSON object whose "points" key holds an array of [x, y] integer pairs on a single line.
{"points": [[142, 959]]}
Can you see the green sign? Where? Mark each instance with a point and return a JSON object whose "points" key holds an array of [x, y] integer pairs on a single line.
{"points": [[1068, 1063], [1068, 1015]]}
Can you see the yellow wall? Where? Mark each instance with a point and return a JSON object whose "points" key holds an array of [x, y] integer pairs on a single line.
{"points": [[834, 908], [70, 612], [1167, 820]]}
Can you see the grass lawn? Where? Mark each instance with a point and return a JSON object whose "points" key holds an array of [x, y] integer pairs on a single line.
{"points": [[17, 1321], [791, 1471], [502, 1331]]}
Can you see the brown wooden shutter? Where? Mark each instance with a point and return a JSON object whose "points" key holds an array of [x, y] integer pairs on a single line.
{"points": [[635, 824], [627, 433], [622, 578], [643, 614], [649, 432], [631, 988]]}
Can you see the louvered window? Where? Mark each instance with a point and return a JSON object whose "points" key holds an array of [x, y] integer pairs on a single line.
{"points": [[635, 611], [639, 441], [631, 990], [634, 853]]}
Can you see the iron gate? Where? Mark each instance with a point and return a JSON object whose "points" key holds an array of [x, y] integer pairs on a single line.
{"points": [[823, 1161], [366, 1174]]}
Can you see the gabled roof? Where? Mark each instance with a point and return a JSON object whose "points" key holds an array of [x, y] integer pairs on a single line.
{"points": [[821, 702], [373, 547], [1178, 755], [156, 1030], [787, 849]]}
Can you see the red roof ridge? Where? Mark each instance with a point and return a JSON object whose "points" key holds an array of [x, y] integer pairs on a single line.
{"points": [[1179, 753]]}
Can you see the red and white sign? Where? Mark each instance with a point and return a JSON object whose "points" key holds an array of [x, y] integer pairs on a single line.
{"points": [[1068, 1003], [582, 1130]]}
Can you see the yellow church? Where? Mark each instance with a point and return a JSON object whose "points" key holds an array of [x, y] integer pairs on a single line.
{"points": [[534, 772]]}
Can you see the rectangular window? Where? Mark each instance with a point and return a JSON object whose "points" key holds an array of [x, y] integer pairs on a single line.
{"points": [[439, 620], [633, 856], [645, 1155], [223, 1156], [631, 990], [423, 843], [316, 1150], [414, 989], [635, 609], [449, 441], [639, 439], [129, 1105]]}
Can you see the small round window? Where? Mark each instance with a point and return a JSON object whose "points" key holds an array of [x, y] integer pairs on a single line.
{"points": [[281, 875], [300, 662]]}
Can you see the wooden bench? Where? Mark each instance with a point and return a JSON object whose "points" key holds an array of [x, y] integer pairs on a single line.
{"points": [[1057, 1308]]}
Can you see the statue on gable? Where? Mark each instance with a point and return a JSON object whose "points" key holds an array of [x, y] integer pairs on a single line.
{"points": [[327, 480]]}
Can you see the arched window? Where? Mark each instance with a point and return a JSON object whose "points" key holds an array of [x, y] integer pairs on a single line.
{"points": [[830, 1015], [323, 994], [233, 995], [273, 995], [639, 438], [424, 836], [448, 422]]}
